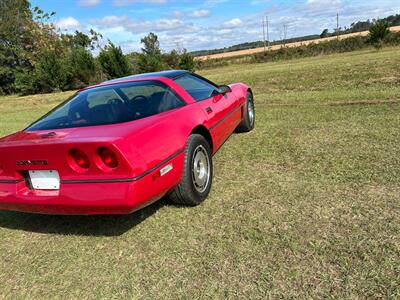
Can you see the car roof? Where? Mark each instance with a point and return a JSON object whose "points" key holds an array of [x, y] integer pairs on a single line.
{"points": [[172, 74]]}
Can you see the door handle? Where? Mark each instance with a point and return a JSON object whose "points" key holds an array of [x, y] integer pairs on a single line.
{"points": [[209, 110]]}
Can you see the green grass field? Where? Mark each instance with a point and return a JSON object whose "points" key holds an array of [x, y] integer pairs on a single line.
{"points": [[305, 206]]}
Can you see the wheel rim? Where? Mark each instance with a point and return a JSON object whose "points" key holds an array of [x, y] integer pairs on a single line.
{"points": [[200, 169], [250, 109]]}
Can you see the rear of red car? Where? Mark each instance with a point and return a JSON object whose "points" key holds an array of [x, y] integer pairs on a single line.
{"points": [[58, 172], [42, 172], [117, 147], [82, 157]]}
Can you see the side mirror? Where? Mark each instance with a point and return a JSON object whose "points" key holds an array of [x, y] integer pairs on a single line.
{"points": [[224, 89]]}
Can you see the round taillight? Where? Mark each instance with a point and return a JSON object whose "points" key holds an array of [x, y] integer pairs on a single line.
{"points": [[108, 157], [78, 158]]}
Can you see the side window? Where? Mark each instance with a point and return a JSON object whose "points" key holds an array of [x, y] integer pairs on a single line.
{"points": [[151, 99], [102, 98], [169, 101], [199, 89], [146, 90]]}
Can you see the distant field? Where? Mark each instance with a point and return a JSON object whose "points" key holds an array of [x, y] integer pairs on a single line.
{"points": [[305, 206], [288, 45]]}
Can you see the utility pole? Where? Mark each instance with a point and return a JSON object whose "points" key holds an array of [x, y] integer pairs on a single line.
{"points": [[263, 27], [285, 27], [266, 18], [337, 25]]}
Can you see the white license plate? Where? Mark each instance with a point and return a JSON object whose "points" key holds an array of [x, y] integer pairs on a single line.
{"points": [[45, 180]]}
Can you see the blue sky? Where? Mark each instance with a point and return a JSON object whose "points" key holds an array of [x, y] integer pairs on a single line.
{"points": [[208, 24]]}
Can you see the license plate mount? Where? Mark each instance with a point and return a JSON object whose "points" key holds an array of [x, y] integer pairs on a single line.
{"points": [[44, 179]]}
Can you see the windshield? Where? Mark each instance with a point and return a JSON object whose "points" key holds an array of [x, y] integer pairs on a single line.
{"points": [[111, 104]]}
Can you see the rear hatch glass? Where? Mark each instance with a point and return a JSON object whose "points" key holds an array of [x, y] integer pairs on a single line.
{"points": [[110, 104]]}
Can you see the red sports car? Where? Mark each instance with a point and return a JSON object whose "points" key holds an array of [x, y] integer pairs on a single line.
{"points": [[118, 146]]}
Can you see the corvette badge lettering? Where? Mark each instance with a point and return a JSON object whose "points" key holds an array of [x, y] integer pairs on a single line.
{"points": [[31, 162]]}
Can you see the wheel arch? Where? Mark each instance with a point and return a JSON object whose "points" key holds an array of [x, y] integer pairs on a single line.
{"points": [[202, 130], [250, 91]]}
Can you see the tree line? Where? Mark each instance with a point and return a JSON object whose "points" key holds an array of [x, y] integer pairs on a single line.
{"points": [[35, 57]]}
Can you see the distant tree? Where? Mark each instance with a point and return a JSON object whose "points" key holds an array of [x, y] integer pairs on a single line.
{"points": [[44, 33], [324, 33], [171, 59], [150, 60], [151, 44], [35, 57], [16, 41], [49, 74], [186, 61], [80, 68], [377, 32], [25, 83], [149, 63], [133, 59], [113, 62], [24, 34], [80, 39], [360, 26], [393, 20]]}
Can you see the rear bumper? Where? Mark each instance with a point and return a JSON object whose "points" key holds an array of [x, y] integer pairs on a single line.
{"points": [[121, 196], [81, 199]]}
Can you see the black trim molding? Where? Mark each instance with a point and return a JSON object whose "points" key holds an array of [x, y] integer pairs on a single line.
{"points": [[227, 116], [12, 181]]}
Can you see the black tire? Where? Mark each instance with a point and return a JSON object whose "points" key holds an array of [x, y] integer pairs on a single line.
{"points": [[188, 192], [247, 123]]}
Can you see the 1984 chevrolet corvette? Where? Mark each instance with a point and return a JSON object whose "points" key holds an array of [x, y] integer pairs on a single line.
{"points": [[118, 146]]}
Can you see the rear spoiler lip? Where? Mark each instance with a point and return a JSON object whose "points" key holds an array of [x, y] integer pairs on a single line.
{"points": [[49, 141]]}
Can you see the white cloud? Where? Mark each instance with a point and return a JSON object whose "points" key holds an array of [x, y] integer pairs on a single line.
{"points": [[223, 31], [177, 14], [88, 3], [322, 5], [196, 14], [211, 3], [68, 23], [322, 2], [139, 26], [129, 2], [201, 13], [257, 2], [236, 22]]}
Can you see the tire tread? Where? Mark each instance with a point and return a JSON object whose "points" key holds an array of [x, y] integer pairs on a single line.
{"points": [[184, 193], [244, 125]]}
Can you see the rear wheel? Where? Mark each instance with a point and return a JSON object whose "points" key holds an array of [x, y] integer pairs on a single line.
{"points": [[248, 120], [197, 174]]}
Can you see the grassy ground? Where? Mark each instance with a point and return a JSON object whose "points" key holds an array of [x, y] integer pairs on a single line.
{"points": [[307, 205]]}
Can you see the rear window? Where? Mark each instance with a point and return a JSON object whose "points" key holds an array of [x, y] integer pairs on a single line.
{"points": [[111, 104]]}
